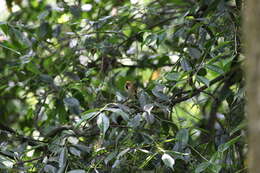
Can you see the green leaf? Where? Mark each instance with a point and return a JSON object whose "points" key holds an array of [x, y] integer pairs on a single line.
{"points": [[227, 62], [77, 171], [116, 164], [46, 78], [73, 105], [50, 169], [63, 157], [225, 146], [222, 45], [135, 122], [43, 15], [110, 157], [33, 68], [123, 153], [149, 117], [23, 40], [161, 37], [242, 125], [88, 116], [194, 52], [71, 101], [215, 68], [147, 160], [215, 168], [216, 156], [103, 123], [202, 167], [11, 49], [202, 72], [158, 92], [2, 166], [148, 108], [143, 98], [185, 65], [183, 136], [75, 151], [75, 11], [203, 80], [83, 148], [178, 153], [4, 27], [173, 76], [149, 39], [44, 29], [27, 57], [124, 115]]}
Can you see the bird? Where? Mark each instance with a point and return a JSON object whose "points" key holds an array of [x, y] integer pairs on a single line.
{"points": [[131, 89]]}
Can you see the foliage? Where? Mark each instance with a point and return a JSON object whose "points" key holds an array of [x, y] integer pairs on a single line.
{"points": [[63, 104]]}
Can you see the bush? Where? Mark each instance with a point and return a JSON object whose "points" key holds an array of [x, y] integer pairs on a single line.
{"points": [[64, 106]]}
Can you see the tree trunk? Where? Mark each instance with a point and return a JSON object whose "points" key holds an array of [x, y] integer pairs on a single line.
{"points": [[252, 48]]}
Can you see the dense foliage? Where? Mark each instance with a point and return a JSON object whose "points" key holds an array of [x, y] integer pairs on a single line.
{"points": [[64, 107]]}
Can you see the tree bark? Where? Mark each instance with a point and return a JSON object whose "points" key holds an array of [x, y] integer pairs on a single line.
{"points": [[252, 49]]}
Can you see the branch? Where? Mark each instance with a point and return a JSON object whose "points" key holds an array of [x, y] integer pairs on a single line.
{"points": [[153, 66], [6, 128], [196, 91], [59, 129], [31, 160], [150, 27]]}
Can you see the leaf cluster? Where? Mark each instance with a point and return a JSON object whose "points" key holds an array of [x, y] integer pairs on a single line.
{"points": [[64, 65]]}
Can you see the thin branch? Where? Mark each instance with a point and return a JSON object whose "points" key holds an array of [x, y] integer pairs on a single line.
{"points": [[31, 160], [197, 91], [150, 27], [154, 66]]}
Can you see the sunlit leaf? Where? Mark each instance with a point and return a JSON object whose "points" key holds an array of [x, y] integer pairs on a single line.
{"points": [[123, 153], [168, 160], [103, 122]]}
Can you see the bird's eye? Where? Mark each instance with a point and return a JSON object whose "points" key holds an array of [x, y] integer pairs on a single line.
{"points": [[126, 85]]}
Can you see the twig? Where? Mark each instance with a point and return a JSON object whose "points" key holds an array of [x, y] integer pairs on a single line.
{"points": [[34, 159], [150, 27], [197, 91]]}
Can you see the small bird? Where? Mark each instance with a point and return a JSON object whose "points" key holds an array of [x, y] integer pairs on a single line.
{"points": [[131, 89]]}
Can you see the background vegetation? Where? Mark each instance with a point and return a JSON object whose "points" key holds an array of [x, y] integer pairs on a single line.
{"points": [[63, 105]]}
